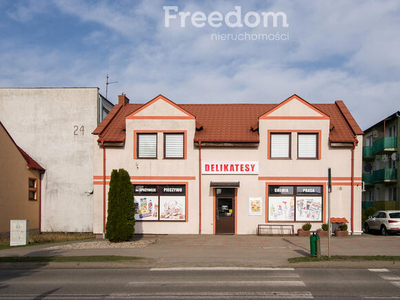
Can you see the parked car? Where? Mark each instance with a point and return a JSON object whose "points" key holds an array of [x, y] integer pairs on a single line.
{"points": [[386, 221]]}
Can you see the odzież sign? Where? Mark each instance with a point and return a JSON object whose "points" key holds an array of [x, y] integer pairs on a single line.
{"points": [[240, 167]]}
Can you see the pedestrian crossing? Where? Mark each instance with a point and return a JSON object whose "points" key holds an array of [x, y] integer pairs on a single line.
{"points": [[265, 283], [385, 274]]}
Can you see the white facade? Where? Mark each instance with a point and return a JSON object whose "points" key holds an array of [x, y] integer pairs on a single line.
{"points": [[54, 126], [255, 172]]}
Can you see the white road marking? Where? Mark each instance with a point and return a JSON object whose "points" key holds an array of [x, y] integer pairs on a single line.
{"points": [[221, 269], [379, 270], [223, 295], [220, 283]]}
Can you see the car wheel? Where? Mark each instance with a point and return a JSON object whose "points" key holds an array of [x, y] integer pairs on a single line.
{"points": [[383, 230], [367, 230]]}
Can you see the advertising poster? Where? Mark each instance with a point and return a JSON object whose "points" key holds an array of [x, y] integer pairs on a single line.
{"points": [[281, 208], [255, 206], [172, 208], [308, 208], [146, 208]]}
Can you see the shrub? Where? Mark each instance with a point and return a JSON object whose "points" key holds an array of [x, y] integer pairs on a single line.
{"points": [[343, 227], [121, 211], [371, 211], [306, 227], [325, 227]]}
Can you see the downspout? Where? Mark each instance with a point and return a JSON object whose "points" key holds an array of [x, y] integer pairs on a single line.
{"points": [[199, 187], [352, 188], [104, 190], [40, 201]]}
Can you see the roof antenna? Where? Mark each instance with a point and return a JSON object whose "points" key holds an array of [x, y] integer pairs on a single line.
{"points": [[107, 83]]}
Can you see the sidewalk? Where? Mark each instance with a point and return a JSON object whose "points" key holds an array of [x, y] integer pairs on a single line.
{"points": [[226, 250]]}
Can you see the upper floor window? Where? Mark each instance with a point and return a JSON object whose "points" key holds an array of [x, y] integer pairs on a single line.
{"points": [[33, 189], [369, 141], [173, 145], [307, 145], [147, 145], [280, 145]]}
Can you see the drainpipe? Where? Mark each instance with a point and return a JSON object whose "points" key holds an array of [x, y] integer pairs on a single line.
{"points": [[40, 201], [352, 188], [104, 190], [199, 187]]}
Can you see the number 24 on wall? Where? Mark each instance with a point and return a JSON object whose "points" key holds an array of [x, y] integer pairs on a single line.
{"points": [[79, 130]]}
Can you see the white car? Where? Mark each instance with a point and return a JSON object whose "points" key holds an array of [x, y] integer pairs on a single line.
{"points": [[386, 221]]}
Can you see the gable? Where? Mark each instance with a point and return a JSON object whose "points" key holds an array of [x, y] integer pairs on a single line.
{"points": [[160, 108], [295, 108]]}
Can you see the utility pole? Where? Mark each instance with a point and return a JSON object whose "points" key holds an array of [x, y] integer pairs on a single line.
{"points": [[108, 83]]}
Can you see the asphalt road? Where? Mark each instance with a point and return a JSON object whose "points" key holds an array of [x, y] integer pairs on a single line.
{"points": [[206, 283]]}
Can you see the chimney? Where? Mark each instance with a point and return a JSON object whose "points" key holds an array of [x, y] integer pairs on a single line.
{"points": [[122, 99]]}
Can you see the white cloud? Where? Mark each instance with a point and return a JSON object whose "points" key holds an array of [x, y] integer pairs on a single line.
{"points": [[337, 50]]}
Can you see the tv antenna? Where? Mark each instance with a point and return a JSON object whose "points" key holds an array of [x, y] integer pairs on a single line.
{"points": [[107, 83]]}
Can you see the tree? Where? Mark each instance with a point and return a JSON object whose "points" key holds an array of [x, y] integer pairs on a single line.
{"points": [[121, 209]]}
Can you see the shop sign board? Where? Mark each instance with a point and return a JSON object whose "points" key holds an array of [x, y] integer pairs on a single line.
{"points": [[239, 167]]}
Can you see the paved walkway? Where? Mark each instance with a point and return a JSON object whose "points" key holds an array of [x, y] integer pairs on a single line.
{"points": [[226, 250]]}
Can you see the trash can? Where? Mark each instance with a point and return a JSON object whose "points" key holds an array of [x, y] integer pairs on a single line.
{"points": [[315, 244]]}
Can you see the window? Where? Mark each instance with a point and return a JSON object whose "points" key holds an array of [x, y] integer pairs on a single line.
{"points": [[160, 202], [33, 189], [295, 203], [147, 145], [369, 141], [307, 144], [173, 145], [280, 145]]}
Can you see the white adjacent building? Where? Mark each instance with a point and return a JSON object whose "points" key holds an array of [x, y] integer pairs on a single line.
{"points": [[54, 126]]}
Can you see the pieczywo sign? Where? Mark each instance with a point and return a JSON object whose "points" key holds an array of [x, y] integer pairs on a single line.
{"points": [[239, 167]]}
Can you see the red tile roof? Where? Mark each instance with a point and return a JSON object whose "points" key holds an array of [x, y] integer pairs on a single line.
{"points": [[229, 123], [30, 162]]}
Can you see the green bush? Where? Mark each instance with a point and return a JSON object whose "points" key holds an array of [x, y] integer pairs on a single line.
{"points": [[306, 227], [343, 227], [371, 211], [325, 227], [121, 211]]}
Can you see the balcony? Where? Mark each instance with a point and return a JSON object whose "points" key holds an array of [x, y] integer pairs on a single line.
{"points": [[367, 178], [367, 152], [385, 175], [386, 144]]}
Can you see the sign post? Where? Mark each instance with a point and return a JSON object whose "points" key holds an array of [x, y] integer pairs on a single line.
{"points": [[329, 211]]}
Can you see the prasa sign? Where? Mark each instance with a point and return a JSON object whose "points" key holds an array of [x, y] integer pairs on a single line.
{"points": [[240, 167]]}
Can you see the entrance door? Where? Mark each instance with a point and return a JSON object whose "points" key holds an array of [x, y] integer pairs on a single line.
{"points": [[225, 215]]}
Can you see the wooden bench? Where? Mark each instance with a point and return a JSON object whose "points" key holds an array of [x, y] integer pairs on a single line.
{"points": [[273, 229]]}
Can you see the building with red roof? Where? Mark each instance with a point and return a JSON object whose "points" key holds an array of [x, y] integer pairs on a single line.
{"points": [[226, 168]]}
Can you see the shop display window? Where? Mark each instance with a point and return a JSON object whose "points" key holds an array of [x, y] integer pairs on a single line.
{"points": [[295, 203]]}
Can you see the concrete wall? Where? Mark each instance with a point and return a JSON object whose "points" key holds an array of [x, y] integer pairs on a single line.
{"points": [[54, 126], [14, 186], [290, 172]]}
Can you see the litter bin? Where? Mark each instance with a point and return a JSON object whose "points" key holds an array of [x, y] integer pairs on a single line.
{"points": [[315, 244]]}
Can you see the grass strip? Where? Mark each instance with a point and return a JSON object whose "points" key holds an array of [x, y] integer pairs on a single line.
{"points": [[44, 259], [343, 258]]}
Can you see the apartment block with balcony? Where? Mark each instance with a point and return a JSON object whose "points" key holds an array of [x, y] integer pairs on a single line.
{"points": [[381, 164]]}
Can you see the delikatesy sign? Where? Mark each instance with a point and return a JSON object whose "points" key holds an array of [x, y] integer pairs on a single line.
{"points": [[239, 167]]}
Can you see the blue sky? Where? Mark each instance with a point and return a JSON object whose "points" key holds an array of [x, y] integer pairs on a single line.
{"points": [[347, 50]]}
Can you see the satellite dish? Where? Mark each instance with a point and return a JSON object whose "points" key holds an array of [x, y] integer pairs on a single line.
{"points": [[368, 168], [395, 156], [375, 134]]}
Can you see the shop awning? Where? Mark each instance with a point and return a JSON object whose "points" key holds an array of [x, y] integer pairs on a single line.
{"points": [[339, 220], [231, 184]]}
